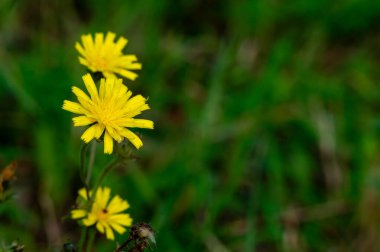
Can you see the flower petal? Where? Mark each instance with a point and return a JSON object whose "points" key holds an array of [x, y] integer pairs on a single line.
{"points": [[99, 41], [118, 228], [88, 43], [78, 213], [120, 44], [114, 134], [121, 219], [110, 37], [89, 134], [127, 74], [100, 227], [117, 205], [73, 107], [83, 193], [135, 103], [80, 49], [102, 197], [108, 143], [137, 123], [90, 220], [81, 96], [132, 137], [83, 120], [128, 58], [91, 87], [99, 130], [109, 232]]}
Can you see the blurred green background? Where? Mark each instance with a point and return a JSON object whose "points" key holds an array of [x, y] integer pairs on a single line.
{"points": [[266, 122]]}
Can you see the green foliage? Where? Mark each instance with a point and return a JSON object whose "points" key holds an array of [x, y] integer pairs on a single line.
{"points": [[265, 117]]}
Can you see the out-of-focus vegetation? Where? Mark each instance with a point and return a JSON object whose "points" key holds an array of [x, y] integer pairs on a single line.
{"points": [[266, 115]]}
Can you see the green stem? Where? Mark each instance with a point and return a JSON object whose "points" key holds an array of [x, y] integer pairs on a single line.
{"points": [[104, 173], [91, 239], [124, 244], [91, 162], [82, 238], [82, 168], [82, 162]]}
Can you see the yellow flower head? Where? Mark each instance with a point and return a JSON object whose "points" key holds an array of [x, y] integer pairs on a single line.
{"points": [[109, 112], [104, 55], [106, 214]]}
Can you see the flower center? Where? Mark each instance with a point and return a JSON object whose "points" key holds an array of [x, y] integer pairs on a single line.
{"points": [[102, 215], [100, 63], [104, 112]]}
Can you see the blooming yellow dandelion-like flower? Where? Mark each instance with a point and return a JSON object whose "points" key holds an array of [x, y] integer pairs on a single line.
{"points": [[106, 214], [109, 112], [104, 55]]}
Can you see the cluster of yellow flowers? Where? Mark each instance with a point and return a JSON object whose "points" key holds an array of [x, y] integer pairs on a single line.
{"points": [[108, 111]]}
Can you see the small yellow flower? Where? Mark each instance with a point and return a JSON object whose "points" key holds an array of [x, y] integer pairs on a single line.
{"points": [[109, 112], [106, 214], [104, 55]]}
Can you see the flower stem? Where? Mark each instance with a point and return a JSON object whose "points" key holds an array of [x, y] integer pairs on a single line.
{"points": [[105, 171], [124, 244], [91, 162], [82, 238], [91, 239], [82, 168]]}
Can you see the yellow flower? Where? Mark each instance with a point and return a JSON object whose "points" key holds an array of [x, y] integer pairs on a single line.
{"points": [[106, 214], [108, 112], [104, 55]]}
